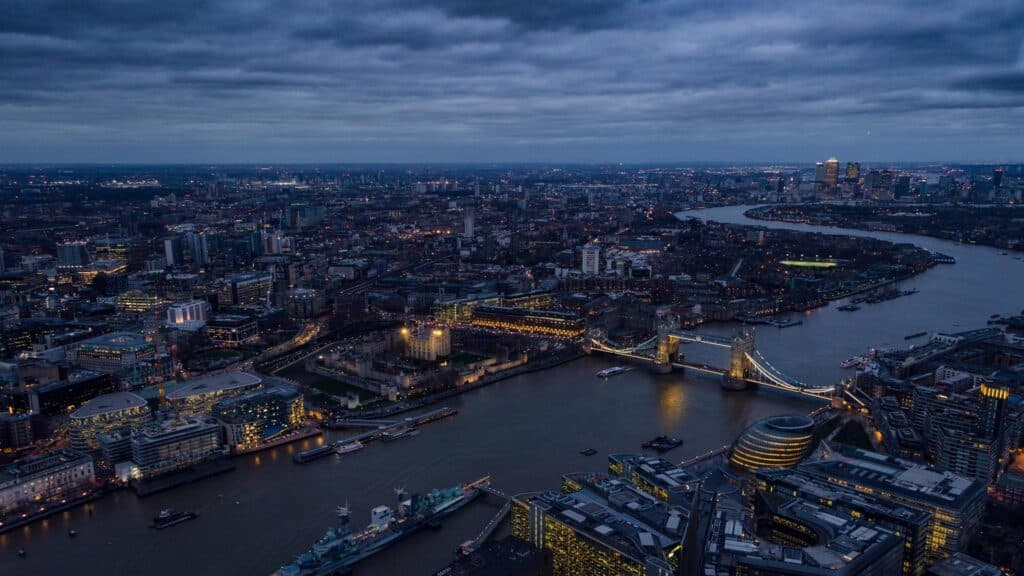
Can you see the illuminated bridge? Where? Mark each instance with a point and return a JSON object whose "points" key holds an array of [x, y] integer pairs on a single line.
{"points": [[747, 366]]}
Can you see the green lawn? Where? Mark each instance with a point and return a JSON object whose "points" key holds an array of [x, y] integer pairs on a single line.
{"points": [[324, 384]]}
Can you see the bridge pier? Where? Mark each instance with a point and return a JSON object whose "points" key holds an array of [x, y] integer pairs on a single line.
{"points": [[668, 350], [736, 378]]}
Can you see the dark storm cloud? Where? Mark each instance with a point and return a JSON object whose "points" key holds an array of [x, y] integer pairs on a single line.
{"points": [[403, 80]]}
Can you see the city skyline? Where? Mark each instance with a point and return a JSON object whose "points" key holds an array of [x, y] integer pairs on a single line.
{"points": [[459, 82]]}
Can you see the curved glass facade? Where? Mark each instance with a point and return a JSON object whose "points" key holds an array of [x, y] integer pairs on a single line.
{"points": [[775, 442]]}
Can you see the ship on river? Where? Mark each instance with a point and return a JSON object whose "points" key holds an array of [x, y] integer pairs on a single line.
{"points": [[340, 548]]}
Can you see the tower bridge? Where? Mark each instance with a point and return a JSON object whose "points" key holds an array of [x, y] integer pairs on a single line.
{"points": [[746, 365]]}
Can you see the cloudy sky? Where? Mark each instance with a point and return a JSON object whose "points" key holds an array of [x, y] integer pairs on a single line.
{"points": [[510, 80]]}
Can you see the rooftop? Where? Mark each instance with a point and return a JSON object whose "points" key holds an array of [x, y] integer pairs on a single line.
{"points": [[108, 403], [122, 340], [215, 383]]}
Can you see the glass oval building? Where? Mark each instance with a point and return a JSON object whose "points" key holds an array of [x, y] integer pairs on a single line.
{"points": [[774, 442]]}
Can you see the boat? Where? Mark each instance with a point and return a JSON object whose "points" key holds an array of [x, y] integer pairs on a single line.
{"points": [[340, 547], [613, 371], [995, 316], [313, 454], [588, 452], [663, 443], [72, 533], [852, 362], [21, 552], [168, 517], [346, 447], [848, 308], [392, 435], [914, 335]]}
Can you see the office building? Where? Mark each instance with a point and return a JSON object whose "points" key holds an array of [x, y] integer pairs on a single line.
{"points": [[174, 251], [112, 248], [881, 184], [304, 303], [831, 172], [198, 247], [777, 441], [656, 476], [112, 352], [138, 302], [249, 288], [230, 330], [788, 536], [188, 315], [255, 418], [469, 223], [599, 525], [956, 503], [162, 447], [911, 524], [852, 172], [590, 259], [45, 479], [72, 255], [197, 397], [819, 173], [118, 411], [60, 397]]}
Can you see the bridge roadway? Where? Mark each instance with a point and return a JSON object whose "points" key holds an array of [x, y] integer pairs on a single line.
{"points": [[761, 371]]}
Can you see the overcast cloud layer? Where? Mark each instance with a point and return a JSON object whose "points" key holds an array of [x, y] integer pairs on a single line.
{"points": [[494, 80]]}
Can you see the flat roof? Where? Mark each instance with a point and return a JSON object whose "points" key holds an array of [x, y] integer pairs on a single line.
{"points": [[215, 383], [108, 403], [126, 340]]}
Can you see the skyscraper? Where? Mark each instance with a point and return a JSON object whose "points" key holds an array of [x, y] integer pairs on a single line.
{"points": [[174, 251], [71, 255], [852, 171], [819, 172], [591, 263], [832, 171], [469, 222]]}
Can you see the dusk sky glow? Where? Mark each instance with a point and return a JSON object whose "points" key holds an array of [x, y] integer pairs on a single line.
{"points": [[462, 81]]}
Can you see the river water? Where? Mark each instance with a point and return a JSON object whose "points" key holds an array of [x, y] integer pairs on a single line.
{"points": [[525, 432]]}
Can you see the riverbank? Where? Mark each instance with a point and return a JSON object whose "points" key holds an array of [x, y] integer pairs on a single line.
{"points": [[20, 521], [879, 219]]}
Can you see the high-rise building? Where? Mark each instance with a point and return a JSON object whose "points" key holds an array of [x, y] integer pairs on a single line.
{"points": [[250, 288], [902, 186], [72, 255], [852, 172], [831, 172], [112, 248], [469, 223], [198, 247], [174, 251], [118, 411], [591, 259], [881, 184], [997, 178], [819, 173]]}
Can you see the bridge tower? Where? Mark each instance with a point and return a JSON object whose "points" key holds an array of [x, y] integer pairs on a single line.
{"points": [[668, 345], [739, 363]]}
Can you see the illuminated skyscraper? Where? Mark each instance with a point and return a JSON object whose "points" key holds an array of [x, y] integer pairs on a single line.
{"points": [[852, 171], [831, 171]]}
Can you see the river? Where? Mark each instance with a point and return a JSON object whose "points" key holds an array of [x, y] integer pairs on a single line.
{"points": [[525, 432]]}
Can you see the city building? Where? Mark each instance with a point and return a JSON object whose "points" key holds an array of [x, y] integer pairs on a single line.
{"points": [[776, 441], [63, 396], [304, 303], [229, 330], [911, 524], [162, 447], [138, 301], [45, 479], [956, 503], [509, 556], [852, 172], [248, 288], [590, 262], [540, 322], [174, 251], [831, 172], [197, 397], [599, 525], [189, 315], [112, 248], [795, 537], [104, 414], [656, 476], [255, 418], [112, 352], [72, 255]]}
